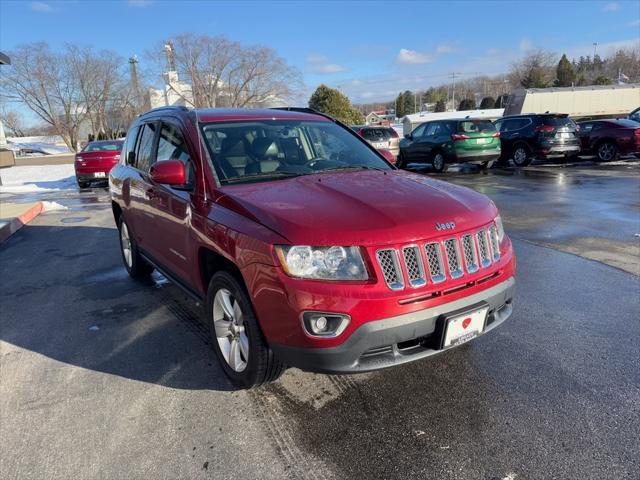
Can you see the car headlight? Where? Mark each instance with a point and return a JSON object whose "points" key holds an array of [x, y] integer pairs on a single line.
{"points": [[322, 263], [499, 228]]}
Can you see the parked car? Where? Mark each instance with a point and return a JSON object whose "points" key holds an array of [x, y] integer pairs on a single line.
{"points": [[381, 138], [635, 115], [525, 137], [451, 141], [305, 246], [608, 139], [95, 161]]}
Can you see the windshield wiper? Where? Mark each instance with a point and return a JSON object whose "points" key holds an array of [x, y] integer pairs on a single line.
{"points": [[352, 167], [261, 175]]}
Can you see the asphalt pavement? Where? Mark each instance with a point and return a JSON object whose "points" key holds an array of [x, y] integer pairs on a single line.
{"points": [[105, 377]]}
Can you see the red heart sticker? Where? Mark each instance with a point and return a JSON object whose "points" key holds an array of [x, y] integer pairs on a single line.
{"points": [[466, 322]]}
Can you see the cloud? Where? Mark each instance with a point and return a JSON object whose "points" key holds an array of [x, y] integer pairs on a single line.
{"points": [[411, 57], [634, 23], [320, 63], [446, 48], [611, 7], [139, 3], [525, 45], [40, 7]]}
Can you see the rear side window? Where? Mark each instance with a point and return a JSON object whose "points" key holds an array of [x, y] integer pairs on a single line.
{"points": [[476, 126], [419, 131], [144, 151]]}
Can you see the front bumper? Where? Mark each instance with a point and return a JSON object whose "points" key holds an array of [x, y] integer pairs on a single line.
{"points": [[401, 339]]}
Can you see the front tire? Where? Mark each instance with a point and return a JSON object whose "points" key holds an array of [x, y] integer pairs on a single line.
{"points": [[438, 162], [607, 151], [521, 155], [243, 353], [136, 266]]}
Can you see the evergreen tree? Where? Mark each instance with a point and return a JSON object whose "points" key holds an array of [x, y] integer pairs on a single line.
{"points": [[440, 106], [602, 80], [487, 102], [333, 102], [467, 104], [565, 75]]}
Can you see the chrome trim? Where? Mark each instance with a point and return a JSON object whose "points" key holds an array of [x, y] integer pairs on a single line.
{"points": [[456, 272], [483, 248], [493, 240], [469, 246], [421, 279], [437, 274], [398, 282]]}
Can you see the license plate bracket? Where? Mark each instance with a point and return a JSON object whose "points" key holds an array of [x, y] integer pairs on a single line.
{"points": [[459, 327]]}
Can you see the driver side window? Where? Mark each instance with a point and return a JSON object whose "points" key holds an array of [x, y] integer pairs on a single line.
{"points": [[419, 131]]}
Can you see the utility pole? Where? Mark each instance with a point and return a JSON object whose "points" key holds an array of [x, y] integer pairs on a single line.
{"points": [[595, 48], [453, 90]]}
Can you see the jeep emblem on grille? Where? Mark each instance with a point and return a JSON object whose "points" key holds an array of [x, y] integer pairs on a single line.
{"points": [[445, 226]]}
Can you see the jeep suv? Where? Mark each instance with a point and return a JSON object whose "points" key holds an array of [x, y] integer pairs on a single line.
{"points": [[525, 137], [305, 246]]}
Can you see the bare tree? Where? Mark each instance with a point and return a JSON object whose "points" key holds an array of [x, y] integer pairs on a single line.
{"points": [[12, 121], [534, 70], [223, 73]]}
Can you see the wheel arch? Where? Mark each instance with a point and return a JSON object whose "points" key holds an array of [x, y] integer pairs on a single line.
{"points": [[210, 262], [117, 211]]}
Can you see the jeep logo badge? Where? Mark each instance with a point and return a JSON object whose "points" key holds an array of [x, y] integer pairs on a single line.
{"points": [[445, 226]]}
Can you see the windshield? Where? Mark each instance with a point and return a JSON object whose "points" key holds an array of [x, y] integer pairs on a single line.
{"points": [[103, 147], [260, 150]]}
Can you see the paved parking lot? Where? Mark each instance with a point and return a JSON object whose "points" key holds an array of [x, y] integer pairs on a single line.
{"points": [[103, 377]]}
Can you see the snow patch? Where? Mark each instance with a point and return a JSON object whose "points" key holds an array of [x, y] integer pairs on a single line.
{"points": [[52, 206], [37, 178]]}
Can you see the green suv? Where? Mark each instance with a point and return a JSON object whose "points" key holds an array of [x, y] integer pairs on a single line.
{"points": [[451, 141]]}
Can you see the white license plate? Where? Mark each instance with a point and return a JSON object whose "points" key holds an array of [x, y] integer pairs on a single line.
{"points": [[564, 135], [481, 140], [463, 328], [379, 144], [99, 175]]}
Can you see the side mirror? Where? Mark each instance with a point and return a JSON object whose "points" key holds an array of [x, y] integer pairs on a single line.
{"points": [[388, 155], [168, 172], [408, 136]]}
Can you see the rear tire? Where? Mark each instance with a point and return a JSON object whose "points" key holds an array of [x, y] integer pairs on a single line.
{"points": [[438, 162], [521, 155], [136, 266], [484, 166], [243, 353], [401, 162], [607, 152]]}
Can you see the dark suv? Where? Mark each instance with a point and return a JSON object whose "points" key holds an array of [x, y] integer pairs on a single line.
{"points": [[525, 137], [304, 245]]}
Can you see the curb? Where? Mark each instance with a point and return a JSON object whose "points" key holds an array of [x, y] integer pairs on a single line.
{"points": [[18, 222]]}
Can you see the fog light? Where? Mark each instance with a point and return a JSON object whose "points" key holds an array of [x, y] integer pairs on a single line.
{"points": [[319, 324]]}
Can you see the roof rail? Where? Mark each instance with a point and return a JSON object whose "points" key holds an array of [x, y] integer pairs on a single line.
{"points": [[306, 110], [182, 108]]}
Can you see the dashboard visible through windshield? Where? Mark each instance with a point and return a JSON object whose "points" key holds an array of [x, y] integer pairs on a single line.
{"points": [[260, 150]]}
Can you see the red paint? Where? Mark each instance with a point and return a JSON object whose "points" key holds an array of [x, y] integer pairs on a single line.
{"points": [[169, 172], [89, 162], [241, 223], [625, 134]]}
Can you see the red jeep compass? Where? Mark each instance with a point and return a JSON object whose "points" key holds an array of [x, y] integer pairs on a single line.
{"points": [[307, 248]]}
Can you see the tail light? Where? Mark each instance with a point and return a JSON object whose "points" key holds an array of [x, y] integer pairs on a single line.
{"points": [[459, 136], [637, 131], [79, 158], [496, 135], [545, 128]]}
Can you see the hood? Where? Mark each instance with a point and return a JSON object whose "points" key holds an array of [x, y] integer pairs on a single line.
{"points": [[361, 207]]}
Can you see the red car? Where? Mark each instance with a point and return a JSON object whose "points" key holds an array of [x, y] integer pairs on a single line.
{"points": [[307, 248], [95, 161], [608, 139]]}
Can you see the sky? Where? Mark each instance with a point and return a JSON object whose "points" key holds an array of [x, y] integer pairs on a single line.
{"points": [[371, 50]]}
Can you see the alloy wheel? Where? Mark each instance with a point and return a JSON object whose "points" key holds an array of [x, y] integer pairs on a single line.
{"points": [[606, 152], [438, 162], [125, 244], [520, 156], [230, 331]]}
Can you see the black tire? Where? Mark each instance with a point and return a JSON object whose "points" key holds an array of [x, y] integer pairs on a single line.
{"points": [[521, 155], [484, 166], [261, 366], [136, 266], [439, 162], [607, 151], [82, 185], [401, 162]]}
